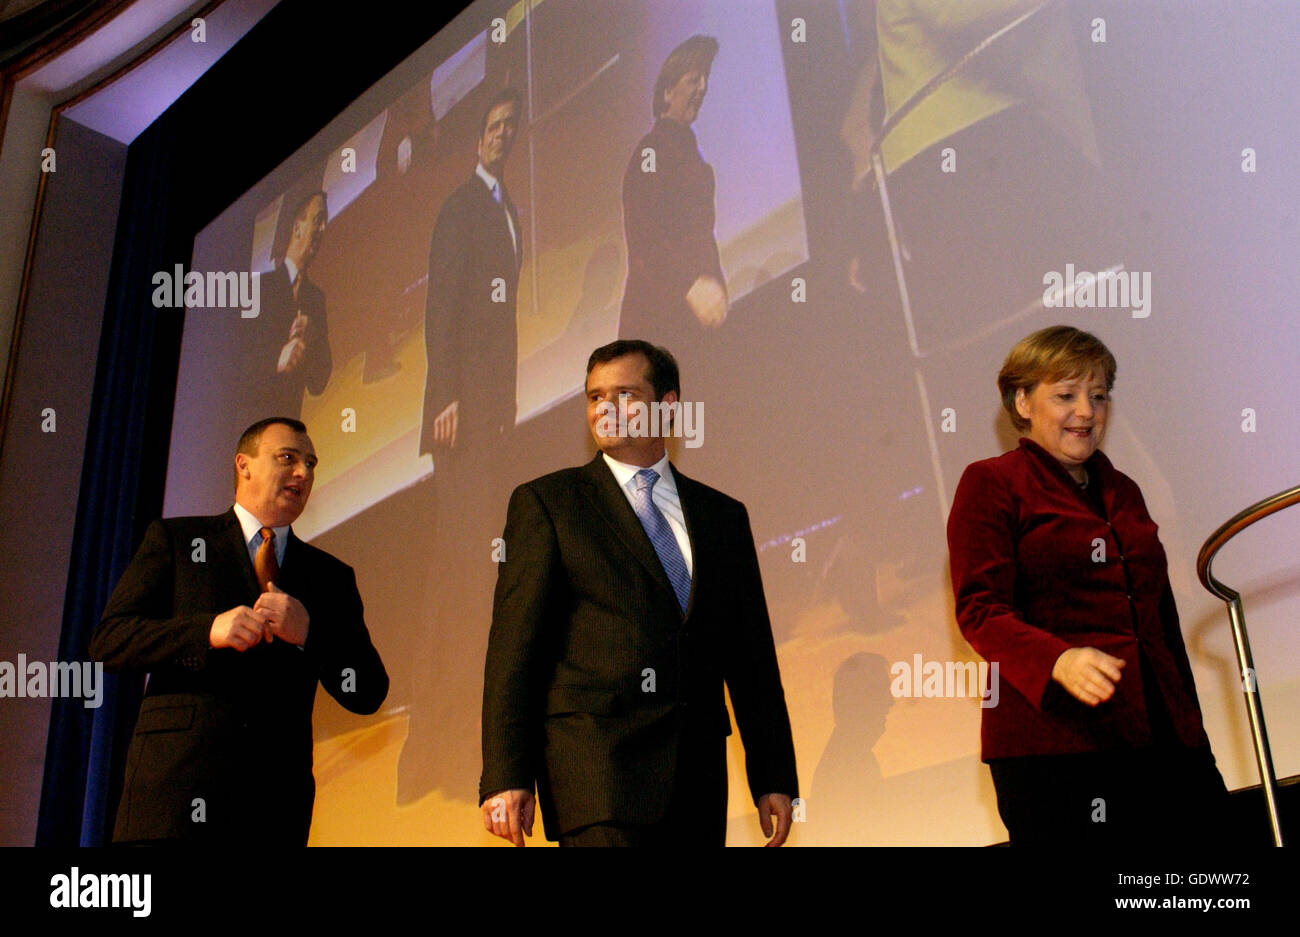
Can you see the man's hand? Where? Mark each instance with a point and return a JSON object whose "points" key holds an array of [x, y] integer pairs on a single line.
{"points": [[855, 275], [285, 616], [298, 328], [291, 355], [445, 423], [509, 814], [241, 628], [708, 300], [1089, 675], [779, 806]]}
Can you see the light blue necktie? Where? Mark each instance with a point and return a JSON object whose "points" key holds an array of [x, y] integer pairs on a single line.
{"points": [[496, 197], [661, 535]]}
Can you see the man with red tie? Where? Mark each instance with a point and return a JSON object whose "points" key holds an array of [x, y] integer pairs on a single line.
{"points": [[235, 620]]}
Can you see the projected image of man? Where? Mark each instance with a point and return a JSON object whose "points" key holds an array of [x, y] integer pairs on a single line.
{"points": [[469, 327], [468, 423], [292, 350]]}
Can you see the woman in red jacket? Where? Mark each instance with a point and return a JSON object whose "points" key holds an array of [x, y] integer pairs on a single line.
{"points": [[1060, 580]]}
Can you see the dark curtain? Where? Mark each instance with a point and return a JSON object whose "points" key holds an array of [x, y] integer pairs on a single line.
{"points": [[121, 489]]}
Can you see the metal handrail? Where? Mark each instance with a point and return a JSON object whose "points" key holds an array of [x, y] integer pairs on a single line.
{"points": [[1237, 616]]}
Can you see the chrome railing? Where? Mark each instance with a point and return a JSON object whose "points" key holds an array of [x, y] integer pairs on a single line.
{"points": [[1249, 681]]}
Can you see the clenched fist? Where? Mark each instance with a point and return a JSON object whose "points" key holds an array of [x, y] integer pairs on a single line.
{"points": [[240, 627]]}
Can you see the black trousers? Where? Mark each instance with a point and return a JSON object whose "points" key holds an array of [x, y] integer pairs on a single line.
{"points": [[697, 809], [1167, 795]]}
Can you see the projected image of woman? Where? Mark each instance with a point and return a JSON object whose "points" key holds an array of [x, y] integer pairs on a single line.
{"points": [[1060, 581], [675, 283]]}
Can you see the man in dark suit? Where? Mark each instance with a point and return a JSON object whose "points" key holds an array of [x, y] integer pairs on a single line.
{"points": [[291, 345], [236, 620], [469, 324], [629, 594], [469, 418]]}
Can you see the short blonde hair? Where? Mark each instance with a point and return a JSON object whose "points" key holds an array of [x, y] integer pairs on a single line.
{"points": [[1052, 354]]}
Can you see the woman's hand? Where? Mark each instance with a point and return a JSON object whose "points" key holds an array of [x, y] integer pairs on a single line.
{"points": [[1089, 675]]}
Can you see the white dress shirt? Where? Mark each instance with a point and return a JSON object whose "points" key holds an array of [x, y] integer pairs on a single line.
{"points": [[663, 494], [291, 269]]}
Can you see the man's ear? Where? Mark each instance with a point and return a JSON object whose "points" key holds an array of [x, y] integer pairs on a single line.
{"points": [[670, 398], [241, 465]]}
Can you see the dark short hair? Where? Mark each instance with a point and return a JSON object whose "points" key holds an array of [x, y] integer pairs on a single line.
{"points": [[251, 438], [506, 95], [662, 365], [300, 206], [695, 54], [285, 220], [1056, 353]]}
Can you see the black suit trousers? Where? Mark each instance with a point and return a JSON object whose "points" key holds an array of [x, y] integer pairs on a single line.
{"points": [[697, 810]]}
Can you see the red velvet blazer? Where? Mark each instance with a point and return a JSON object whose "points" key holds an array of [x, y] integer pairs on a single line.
{"points": [[1035, 571]]}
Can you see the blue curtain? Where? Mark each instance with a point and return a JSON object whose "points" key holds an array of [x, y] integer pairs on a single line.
{"points": [[121, 490]]}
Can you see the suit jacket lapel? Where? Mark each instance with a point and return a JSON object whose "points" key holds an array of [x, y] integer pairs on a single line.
{"points": [[696, 522], [501, 228], [232, 542], [293, 558], [519, 234], [276, 283], [617, 513]]}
